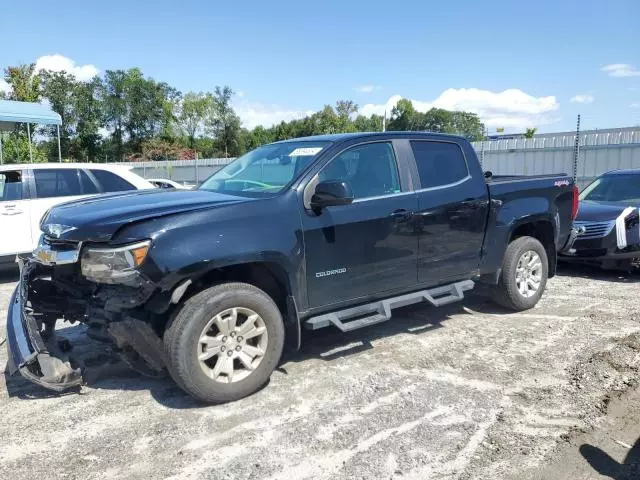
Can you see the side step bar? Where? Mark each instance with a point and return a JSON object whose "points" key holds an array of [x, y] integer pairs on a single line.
{"points": [[378, 312]]}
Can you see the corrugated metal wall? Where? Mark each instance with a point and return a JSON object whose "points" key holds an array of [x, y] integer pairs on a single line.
{"points": [[598, 153], [189, 171]]}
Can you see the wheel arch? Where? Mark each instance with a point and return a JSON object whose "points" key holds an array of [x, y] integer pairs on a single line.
{"points": [[269, 276], [543, 230]]}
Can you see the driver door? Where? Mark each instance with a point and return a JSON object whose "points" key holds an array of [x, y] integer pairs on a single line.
{"points": [[366, 247]]}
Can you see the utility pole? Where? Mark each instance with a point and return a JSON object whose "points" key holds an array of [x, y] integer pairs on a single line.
{"points": [[384, 122], [576, 151], [485, 134], [29, 138]]}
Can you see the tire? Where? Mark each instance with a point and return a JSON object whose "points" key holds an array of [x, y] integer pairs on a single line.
{"points": [[506, 293], [182, 342]]}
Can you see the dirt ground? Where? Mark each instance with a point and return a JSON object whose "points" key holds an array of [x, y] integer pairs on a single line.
{"points": [[468, 391]]}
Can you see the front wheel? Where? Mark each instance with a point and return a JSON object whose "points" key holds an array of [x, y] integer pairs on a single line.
{"points": [[523, 278], [225, 342]]}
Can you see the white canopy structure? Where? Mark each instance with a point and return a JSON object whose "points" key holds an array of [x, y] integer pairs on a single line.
{"points": [[13, 113]]}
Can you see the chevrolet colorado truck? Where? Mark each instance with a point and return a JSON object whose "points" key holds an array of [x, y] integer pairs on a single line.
{"points": [[335, 230]]}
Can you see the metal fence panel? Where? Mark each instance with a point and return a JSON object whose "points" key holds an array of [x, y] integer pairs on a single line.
{"points": [[599, 153]]}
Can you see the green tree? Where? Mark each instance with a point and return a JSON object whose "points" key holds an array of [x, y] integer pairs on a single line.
{"points": [[403, 116], [145, 102], [223, 122], [114, 107], [90, 119], [530, 132], [327, 121], [15, 149], [468, 125], [59, 88], [193, 112], [25, 86], [368, 124]]}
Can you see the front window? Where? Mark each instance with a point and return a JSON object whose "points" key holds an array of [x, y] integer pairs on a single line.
{"points": [[614, 189], [265, 171]]}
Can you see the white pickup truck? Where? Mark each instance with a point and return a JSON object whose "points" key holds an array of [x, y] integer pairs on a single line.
{"points": [[28, 191]]}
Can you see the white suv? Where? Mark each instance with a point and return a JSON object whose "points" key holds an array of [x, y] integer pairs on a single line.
{"points": [[28, 191]]}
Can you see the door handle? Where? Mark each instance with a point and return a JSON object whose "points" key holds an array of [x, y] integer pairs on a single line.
{"points": [[401, 215]]}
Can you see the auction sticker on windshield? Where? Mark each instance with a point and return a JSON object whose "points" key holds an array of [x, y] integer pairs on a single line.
{"points": [[305, 152]]}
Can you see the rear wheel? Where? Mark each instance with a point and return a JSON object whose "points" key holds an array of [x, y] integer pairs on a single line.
{"points": [[523, 278], [225, 342]]}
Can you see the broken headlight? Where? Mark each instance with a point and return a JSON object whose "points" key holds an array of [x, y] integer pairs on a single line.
{"points": [[113, 265]]}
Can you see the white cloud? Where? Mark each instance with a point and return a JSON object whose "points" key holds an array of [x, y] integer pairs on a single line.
{"points": [[582, 98], [58, 63], [635, 105], [366, 88], [4, 86], [621, 70], [511, 108], [254, 114]]}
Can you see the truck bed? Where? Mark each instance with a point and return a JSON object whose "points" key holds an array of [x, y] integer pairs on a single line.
{"points": [[511, 178], [526, 184]]}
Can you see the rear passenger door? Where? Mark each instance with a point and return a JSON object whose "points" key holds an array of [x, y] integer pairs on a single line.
{"points": [[452, 212]]}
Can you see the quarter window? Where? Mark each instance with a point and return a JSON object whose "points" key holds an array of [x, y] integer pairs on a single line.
{"points": [[439, 163], [88, 187], [57, 182], [11, 186], [369, 169], [111, 182]]}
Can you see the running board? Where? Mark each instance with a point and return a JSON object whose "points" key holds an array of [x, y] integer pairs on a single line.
{"points": [[378, 312]]}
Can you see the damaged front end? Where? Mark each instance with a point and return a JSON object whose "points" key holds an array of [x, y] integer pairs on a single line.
{"points": [[53, 287]]}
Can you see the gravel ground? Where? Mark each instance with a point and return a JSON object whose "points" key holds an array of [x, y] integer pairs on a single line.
{"points": [[466, 391]]}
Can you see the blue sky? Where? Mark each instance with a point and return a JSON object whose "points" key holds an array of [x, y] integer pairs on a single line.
{"points": [[516, 64]]}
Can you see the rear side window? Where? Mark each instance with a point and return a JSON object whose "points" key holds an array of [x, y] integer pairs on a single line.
{"points": [[439, 163], [57, 182], [11, 186], [111, 182], [88, 187]]}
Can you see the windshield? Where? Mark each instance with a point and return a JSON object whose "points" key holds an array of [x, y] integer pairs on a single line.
{"points": [[266, 170], [614, 189]]}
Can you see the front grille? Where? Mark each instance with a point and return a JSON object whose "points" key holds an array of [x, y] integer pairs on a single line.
{"points": [[595, 229], [62, 245]]}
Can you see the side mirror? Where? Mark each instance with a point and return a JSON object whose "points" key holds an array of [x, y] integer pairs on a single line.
{"points": [[330, 194], [488, 174]]}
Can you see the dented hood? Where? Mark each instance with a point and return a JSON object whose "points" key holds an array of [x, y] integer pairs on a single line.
{"points": [[98, 218]]}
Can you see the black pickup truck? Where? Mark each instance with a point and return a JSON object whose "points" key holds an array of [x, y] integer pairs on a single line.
{"points": [[307, 233]]}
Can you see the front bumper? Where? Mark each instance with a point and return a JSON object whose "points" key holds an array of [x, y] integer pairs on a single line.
{"points": [[599, 250], [29, 353], [46, 294]]}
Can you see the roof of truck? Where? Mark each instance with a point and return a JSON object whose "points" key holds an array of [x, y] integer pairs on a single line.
{"points": [[338, 137], [628, 171]]}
